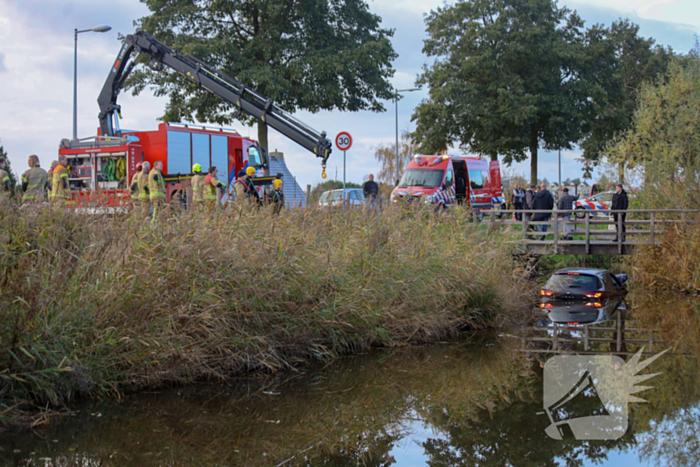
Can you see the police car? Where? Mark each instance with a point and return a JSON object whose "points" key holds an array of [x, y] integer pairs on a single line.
{"points": [[601, 201]]}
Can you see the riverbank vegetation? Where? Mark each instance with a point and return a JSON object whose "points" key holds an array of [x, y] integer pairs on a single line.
{"points": [[96, 306]]}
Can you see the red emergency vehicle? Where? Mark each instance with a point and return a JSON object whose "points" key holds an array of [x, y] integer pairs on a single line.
{"points": [[448, 180], [101, 168]]}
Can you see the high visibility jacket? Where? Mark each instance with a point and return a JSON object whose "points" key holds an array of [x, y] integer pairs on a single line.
{"points": [[197, 187], [4, 182], [278, 199], [35, 178], [136, 191], [59, 186], [240, 188], [156, 184], [210, 186], [142, 182]]}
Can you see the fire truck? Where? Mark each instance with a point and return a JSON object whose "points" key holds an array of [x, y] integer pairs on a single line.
{"points": [[449, 180], [101, 167]]}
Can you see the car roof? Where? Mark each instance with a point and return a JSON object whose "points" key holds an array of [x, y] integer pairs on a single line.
{"points": [[347, 189], [590, 271]]}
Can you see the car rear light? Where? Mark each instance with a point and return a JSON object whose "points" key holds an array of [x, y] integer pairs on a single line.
{"points": [[593, 295], [546, 305], [593, 305], [546, 293], [572, 322]]}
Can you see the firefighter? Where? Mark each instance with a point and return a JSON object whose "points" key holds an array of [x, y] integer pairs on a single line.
{"points": [[240, 186], [59, 186], [4, 180], [134, 189], [156, 188], [211, 184], [250, 186], [277, 196], [34, 181], [197, 186], [142, 183], [49, 173]]}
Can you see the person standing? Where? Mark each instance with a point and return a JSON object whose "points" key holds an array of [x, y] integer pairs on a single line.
{"points": [[277, 195], [49, 173], [59, 186], [34, 181], [566, 203], [518, 199], [250, 186], [4, 180], [197, 187], [620, 202], [211, 185], [544, 201], [134, 189], [156, 188], [142, 182], [371, 191]]}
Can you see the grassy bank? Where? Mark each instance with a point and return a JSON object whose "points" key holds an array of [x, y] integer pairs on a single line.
{"points": [[98, 306]]}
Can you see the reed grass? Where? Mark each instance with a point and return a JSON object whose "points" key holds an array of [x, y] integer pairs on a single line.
{"points": [[99, 305]]}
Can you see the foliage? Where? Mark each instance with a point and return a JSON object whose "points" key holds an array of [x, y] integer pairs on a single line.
{"points": [[664, 140], [313, 55], [505, 79], [386, 156], [8, 169], [96, 305]]}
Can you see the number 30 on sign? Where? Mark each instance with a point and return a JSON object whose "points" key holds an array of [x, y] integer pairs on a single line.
{"points": [[343, 141]]}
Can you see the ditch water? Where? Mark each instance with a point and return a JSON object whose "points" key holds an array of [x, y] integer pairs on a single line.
{"points": [[477, 402]]}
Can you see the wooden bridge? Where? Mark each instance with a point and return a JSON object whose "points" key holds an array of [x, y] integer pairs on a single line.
{"points": [[592, 232]]}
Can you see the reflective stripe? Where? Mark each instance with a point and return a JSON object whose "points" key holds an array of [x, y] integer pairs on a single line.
{"points": [[63, 175]]}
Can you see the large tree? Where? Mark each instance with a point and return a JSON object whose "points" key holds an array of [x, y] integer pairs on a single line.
{"points": [[617, 62], [505, 80], [310, 54], [386, 156]]}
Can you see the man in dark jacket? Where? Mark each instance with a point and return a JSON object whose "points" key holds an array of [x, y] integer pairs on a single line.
{"points": [[619, 203], [566, 203], [371, 191], [543, 201]]}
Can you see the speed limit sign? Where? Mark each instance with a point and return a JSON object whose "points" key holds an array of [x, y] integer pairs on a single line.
{"points": [[343, 141]]}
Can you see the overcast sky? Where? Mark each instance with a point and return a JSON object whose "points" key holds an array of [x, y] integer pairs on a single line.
{"points": [[36, 77]]}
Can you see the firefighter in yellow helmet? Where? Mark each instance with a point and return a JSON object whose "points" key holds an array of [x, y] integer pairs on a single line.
{"points": [[134, 189], [211, 184], [277, 195], [59, 186], [4, 180], [250, 187], [142, 185], [156, 188], [34, 181], [197, 186]]}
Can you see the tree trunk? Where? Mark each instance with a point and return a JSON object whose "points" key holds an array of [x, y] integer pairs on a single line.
{"points": [[621, 172], [262, 135], [533, 156], [494, 157]]}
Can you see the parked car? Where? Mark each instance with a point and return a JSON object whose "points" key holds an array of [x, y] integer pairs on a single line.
{"points": [[601, 201], [584, 284], [580, 312], [353, 197]]}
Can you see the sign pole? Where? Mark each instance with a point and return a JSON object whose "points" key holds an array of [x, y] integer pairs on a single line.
{"points": [[344, 152], [343, 142]]}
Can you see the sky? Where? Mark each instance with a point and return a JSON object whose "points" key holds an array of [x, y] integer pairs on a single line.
{"points": [[36, 78]]}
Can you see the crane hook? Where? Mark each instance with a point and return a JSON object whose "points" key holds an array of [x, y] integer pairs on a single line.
{"points": [[323, 173]]}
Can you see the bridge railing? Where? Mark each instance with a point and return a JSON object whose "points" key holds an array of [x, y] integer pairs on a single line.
{"points": [[635, 223]]}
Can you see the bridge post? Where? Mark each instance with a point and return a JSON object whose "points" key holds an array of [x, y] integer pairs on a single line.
{"points": [[525, 219], [588, 233], [651, 228], [556, 233], [619, 233]]}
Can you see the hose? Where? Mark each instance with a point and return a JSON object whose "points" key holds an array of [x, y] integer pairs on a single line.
{"points": [[120, 170], [108, 170]]}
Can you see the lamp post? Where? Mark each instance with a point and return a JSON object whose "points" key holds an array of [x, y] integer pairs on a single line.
{"points": [[101, 28], [396, 104]]}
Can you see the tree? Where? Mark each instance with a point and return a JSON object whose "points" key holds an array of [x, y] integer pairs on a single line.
{"points": [[386, 156], [618, 61], [505, 79], [313, 55], [664, 138]]}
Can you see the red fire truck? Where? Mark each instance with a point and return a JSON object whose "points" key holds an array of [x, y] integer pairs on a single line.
{"points": [[101, 167], [448, 180]]}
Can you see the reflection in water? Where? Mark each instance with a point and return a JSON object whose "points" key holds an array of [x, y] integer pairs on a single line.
{"points": [[445, 405]]}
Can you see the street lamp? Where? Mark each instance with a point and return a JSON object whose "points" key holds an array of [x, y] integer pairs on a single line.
{"points": [[396, 103], [100, 28]]}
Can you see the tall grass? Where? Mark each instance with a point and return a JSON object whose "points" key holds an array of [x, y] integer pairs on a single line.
{"points": [[98, 305]]}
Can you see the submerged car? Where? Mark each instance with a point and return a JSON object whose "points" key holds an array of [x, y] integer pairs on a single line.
{"points": [[584, 284], [580, 312], [353, 197]]}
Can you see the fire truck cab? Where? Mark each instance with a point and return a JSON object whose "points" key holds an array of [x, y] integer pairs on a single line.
{"points": [[448, 180], [101, 168]]}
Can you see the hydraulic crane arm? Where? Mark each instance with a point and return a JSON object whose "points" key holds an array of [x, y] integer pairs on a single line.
{"points": [[229, 89]]}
